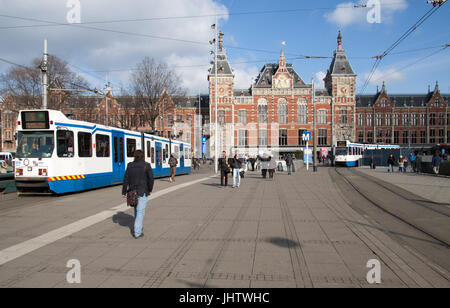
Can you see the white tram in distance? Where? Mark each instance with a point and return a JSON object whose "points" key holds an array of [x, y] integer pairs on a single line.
{"points": [[349, 154], [58, 155]]}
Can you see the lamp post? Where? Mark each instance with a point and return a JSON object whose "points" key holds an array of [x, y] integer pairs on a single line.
{"points": [[315, 127], [214, 41]]}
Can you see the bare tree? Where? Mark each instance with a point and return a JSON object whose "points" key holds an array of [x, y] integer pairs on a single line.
{"points": [[148, 83], [24, 84]]}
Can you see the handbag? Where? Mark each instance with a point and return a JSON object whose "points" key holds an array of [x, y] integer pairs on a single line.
{"points": [[132, 196]]}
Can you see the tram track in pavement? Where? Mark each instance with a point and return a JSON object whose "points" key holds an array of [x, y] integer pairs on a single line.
{"points": [[297, 257], [411, 212], [166, 269]]}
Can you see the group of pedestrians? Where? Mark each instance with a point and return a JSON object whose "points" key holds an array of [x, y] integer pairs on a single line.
{"points": [[404, 161], [231, 165]]}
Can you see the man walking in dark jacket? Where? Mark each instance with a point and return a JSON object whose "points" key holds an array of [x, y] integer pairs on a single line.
{"points": [[224, 168], [139, 177], [289, 163], [436, 162], [173, 163]]}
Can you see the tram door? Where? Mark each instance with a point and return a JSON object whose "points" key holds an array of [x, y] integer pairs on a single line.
{"points": [[118, 156], [181, 156], [158, 161]]}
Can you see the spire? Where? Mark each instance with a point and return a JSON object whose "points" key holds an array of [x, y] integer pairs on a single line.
{"points": [[282, 60], [383, 89], [339, 39], [221, 41], [436, 88], [340, 64]]}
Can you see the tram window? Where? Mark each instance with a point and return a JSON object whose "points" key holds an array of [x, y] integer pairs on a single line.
{"points": [[158, 156], [102, 145], [84, 144], [116, 155], [121, 150], [153, 155], [148, 149], [65, 143], [131, 147], [167, 152]]}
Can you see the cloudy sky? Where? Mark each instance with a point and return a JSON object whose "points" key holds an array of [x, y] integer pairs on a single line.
{"points": [[116, 34]]}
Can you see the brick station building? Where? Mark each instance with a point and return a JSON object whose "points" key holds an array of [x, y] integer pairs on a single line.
{"points": [[275, 111], [407, 120]]}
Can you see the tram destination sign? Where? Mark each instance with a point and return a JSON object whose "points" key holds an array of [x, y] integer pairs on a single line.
{"points": [[35, 120]]}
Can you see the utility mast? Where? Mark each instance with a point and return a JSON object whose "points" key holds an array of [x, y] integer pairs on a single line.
{"points": [[44, 69]]}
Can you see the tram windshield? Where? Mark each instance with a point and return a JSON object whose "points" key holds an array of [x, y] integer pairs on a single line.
{"points": [[35, 144], [341, 151]]}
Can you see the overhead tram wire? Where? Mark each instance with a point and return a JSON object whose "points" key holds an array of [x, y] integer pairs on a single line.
{"points": [[414, 27], [19, 65], [416, 61], [264, 61]]}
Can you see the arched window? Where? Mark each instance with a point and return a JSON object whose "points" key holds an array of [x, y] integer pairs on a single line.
{"points": [[302, 111], [263, 112], [282, 111]]}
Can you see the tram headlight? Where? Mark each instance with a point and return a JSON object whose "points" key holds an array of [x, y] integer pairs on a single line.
{"points": [[19, 172], [42, 172]]}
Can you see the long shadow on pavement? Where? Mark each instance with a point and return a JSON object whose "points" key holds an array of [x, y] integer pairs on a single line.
{"points": [[124, 220], [282, 242]]}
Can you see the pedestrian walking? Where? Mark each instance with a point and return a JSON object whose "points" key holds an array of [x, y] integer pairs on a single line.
{"points": [[173, 162], [253, 162], [224, 168], [391, 163], [436, 162], [236, 164], [372, 162], [289, 164], [412, 159], [272, 166], [264, 163], [138, 181], [293, 163]]}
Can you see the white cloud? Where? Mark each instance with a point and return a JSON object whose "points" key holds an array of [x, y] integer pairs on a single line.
{"points": [[95, 50], [388, 76], [319, 80], [346, 14]]}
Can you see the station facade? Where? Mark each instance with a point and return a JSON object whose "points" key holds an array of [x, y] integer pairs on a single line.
{"points": [[278, 107], [273, 113]]}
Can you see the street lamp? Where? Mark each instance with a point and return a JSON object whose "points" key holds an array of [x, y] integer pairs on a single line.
{"points": [[214, 41]]}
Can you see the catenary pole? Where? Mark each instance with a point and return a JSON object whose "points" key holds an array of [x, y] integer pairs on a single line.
{"points": [[44, 68], [216, 139], [314, 156]]}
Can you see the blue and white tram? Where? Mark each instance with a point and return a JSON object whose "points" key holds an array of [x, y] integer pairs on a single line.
{"points": [[59, 155], [349, 154]]}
